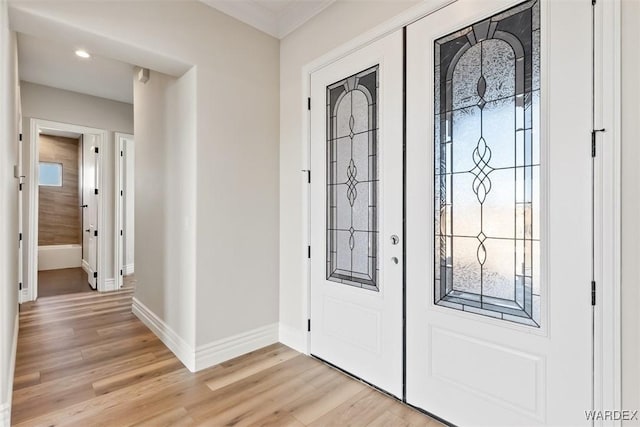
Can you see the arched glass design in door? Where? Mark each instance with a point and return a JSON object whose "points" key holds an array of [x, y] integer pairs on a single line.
{"points": [[352, 180], [487, 167]]}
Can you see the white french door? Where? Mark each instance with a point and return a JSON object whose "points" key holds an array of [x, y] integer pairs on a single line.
{"points": [[90, 207], [498, 213], [356, 213]]}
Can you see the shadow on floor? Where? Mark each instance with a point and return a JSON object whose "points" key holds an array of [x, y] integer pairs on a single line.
{"points": [[63, 281]]}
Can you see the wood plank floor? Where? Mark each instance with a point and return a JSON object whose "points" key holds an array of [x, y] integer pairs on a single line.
{"points": [[63, 281], [86, 360]]}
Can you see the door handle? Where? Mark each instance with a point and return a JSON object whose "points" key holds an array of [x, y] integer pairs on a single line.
{"points": [[84, 206]]}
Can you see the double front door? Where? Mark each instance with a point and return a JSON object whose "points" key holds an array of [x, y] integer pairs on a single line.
{"points": [[451, 244]]}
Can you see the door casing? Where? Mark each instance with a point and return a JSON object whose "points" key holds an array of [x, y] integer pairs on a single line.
{"points": [[31, 260], [120, 164]]}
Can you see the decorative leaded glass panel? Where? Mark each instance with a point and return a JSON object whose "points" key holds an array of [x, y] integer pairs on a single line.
{"points": [[352, 180], [487, 143]]}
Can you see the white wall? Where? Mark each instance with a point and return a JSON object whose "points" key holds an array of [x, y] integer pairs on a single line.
{"points": [[8, 211], [165, 190], [128, 257], [234, 159], [346, 20], [630, 206], [44, 102]]}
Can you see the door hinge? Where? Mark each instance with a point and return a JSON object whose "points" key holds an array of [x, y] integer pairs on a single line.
{"points": [[20, 286], [121, 272], [121, 233], [95, 191], [121, 153], [121, 193], [593, 141], [95, 274], [20, 137], [309, 104], [309, 251], [308, 325], [96, 150], [95, 233], [593, 292], [20, 237], [20, 187]]}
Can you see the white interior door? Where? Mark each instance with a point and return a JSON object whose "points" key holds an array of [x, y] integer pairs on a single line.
{"points": [[356, 208], [121, 209], [499, 311], [90, 207]]}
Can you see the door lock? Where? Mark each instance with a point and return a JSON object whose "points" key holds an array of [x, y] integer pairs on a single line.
{"points": [[395, 239]]}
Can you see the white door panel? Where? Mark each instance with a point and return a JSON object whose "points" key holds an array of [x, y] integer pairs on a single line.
{"points": [[500, 332], [90, 206], [356, 208]]}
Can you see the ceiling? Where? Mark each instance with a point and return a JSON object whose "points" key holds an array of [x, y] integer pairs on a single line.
{"points": [[275, 17], [55, 64]]}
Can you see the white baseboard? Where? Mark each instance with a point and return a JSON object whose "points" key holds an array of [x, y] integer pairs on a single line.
{"points": [[227, 348], [110, 285], [128, 269], [5, 407], [293, 337], [173, 341], [210, 354], [85, 267], [24, 295], [5, 414]]}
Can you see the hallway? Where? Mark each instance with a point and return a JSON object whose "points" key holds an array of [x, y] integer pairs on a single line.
{"points": [[85, 359]]}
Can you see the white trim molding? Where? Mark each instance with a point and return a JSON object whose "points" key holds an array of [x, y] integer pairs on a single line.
{"points": [[110, 285], [5, 414], [129, 269], [210, 354], [168, 336], [32, 194], [5, 407], [119, 214], [607, 215], [293, 337], [227, 348]]}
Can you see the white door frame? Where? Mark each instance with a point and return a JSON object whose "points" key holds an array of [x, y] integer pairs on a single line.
{"points": [[34, 158], [119, 213], [607, 346]]}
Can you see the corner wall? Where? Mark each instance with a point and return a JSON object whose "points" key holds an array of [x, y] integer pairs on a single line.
{"points": [[8, 212], [165, 206]]}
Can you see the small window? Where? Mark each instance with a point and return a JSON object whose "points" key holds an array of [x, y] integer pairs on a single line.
{"points": [[50, 174]]}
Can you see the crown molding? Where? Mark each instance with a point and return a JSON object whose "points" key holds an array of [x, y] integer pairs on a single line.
{"points": [[299, 12], [276, 24]]}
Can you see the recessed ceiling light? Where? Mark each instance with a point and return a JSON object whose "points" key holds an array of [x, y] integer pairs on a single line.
{"points": [[82, 53]]}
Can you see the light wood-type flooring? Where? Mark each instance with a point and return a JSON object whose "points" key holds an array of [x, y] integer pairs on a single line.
{"points": [[86, 360]]}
